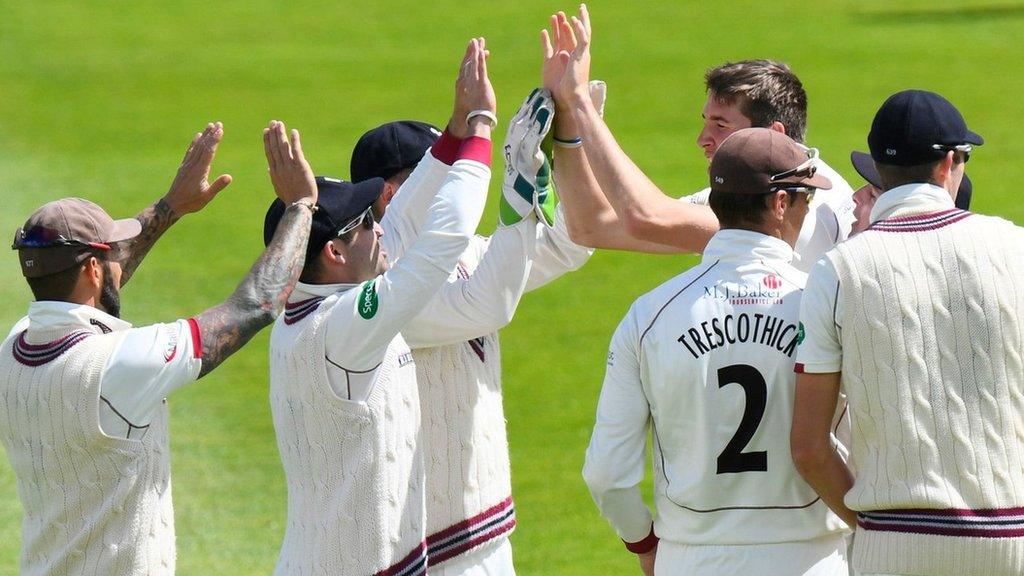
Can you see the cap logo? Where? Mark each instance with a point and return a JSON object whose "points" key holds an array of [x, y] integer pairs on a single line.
{"points": [[890, 151], [719, 180], [30, 263], [435, 131]]}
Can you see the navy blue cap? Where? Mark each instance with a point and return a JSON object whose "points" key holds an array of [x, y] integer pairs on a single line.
{"points": [[865, 166], [338, 201], [909, 125], [390, 148]]}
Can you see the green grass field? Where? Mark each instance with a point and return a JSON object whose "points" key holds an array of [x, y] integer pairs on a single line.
{"points": [[98, 99]]}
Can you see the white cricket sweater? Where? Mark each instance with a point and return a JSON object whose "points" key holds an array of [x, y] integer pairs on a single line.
{"points": [[934, 373], [354, 469], [93, 504]]}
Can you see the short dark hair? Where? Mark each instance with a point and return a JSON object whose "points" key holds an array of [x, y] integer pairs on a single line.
{"points": [[893, 176], [738, 210], [765, 90], [58, 286]]}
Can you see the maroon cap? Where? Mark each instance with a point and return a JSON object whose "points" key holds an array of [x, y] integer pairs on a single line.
{"points": [[66, 232], [761, 161]]}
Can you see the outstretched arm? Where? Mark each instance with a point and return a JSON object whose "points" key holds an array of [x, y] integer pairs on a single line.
{"points": [[190, 192], [261, 295], [646, 213]]}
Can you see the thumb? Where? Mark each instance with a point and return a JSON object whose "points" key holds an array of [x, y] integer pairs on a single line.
{"points": [[219, 184]]}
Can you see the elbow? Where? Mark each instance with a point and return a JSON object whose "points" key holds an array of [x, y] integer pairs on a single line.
{"points": [[638, 222], [599, 478], [808, 455]]}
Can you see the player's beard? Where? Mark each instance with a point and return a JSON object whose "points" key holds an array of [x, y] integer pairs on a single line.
{"points": [[110, 297]]}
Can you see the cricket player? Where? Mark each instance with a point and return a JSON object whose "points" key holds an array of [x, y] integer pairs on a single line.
{"points": [[703, 361], [864, 197], [612, 204], [932, 367], [470, 511], [84, 393], [344, 391]]}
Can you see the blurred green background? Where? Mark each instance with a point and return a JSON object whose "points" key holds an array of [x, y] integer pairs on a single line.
{"points": [[99, 99]]}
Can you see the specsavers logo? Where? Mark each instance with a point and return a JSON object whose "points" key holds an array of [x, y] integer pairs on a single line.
{"points": [[367, 304], [800, 334]]}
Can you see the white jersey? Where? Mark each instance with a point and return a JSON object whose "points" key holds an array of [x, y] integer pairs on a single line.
{"points": [[706, 360], [470, 511], [345, 403], [935, 377], [828, 222], [96, 495]]}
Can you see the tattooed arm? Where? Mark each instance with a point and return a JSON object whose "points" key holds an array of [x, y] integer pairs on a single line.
{"points": [[259, 298], [190, 192]]}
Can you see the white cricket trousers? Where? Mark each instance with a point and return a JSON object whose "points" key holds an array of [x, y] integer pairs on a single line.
{"points": [[824, 556], [487, 561]]}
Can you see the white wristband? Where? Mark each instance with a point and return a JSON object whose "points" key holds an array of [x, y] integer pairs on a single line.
{"points": [[485, 113]]}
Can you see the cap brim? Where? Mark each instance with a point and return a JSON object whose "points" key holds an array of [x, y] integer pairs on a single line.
{"points": [[125, 230], [818, 181], [865, 166], [974, 138]]}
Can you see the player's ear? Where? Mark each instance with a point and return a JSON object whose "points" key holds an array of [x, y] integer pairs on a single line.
{"points": [[334, 251], [92, 272], [777, 127], [778, 203]]}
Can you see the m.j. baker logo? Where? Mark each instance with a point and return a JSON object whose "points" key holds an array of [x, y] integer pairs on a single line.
{"points": [[767, 292]]}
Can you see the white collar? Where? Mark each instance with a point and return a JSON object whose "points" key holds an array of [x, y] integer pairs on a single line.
{"points": [[911, 199], [303, 291], [49, 314], [735, 244]]}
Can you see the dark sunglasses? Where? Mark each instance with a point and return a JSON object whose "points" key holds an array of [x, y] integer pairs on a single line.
{"points": [[964, 148], [366, 218], [795, 189]]}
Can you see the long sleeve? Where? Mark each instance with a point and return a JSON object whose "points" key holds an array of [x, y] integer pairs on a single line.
{"points": [[382, 307], [470, 306], [614, 464], [406, 213], [555, 253]]}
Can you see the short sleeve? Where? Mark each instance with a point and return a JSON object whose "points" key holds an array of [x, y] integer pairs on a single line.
{"points": [[819, 349], [147, 365]]}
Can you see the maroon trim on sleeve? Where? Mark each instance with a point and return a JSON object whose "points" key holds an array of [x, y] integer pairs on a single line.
{"points": [[644, 546], [197, 338], [476, 148], [798, 368], [446, 149]]}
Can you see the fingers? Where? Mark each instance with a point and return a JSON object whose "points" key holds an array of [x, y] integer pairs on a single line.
{"points": [[274, 159], [267, 147], [219, 184], [582, 34], [585, 18], [566, 37], [481, 63], [283, 147], [207, 146], [297, 147]]}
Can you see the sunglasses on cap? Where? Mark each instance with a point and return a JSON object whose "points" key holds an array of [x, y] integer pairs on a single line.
{"points": [[114, 251], [805, 170], [965, 148], [366, 219]]}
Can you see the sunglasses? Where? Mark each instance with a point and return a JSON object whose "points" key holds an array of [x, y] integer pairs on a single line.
{"points": [[966, 149], [795, 189], [366, 219], [114, 251]]}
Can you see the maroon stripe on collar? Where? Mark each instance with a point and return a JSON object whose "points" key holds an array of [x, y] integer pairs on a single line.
{"points": [[39, 354]]}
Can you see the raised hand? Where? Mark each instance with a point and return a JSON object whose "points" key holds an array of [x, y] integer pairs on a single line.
{"points": [[526, 187], [473, 91], [556, 48], [290, 174], [191, 189], [575, 82]]}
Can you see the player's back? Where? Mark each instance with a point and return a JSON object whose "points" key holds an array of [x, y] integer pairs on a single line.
{"points": [[716, 354]]}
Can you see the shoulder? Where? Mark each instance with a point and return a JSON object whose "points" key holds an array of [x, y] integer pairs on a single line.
{"points": [[678, 288]]}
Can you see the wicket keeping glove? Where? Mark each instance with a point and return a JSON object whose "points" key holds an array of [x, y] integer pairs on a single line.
{"points": [[527, 186]]}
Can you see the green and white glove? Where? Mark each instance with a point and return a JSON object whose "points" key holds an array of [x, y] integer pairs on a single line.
{"points": [[527, 186]]}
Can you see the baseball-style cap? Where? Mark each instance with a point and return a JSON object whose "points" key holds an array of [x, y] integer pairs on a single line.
{"points": [[391, 148], [756, 160], [916, 127], [338, 203], [66, 232], [865, 166]]}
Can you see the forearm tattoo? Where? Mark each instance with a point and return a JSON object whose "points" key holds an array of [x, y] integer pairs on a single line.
{"points": [[155, 220], [261, 296]]}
